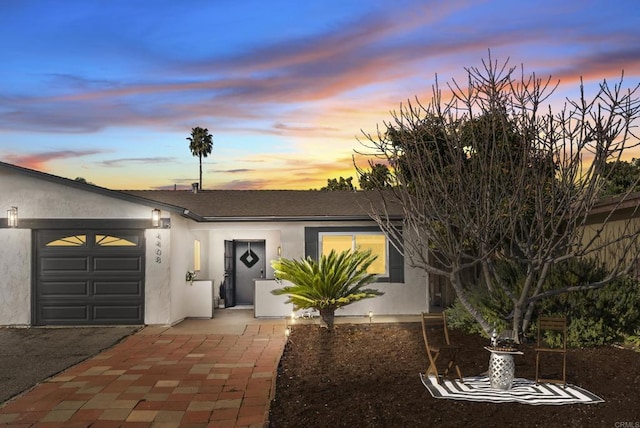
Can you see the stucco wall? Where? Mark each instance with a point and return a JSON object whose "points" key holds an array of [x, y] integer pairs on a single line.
{"points": [[41, 199], [181, 261], [157, 299], [409, 297], [15, 277], [37, 198]]}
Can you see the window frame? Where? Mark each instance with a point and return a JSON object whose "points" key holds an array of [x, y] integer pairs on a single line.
{"points": [[354, 236], [395, 260]]}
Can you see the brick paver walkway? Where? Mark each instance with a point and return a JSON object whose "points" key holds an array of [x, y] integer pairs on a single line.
{"points": [[161, 380]]}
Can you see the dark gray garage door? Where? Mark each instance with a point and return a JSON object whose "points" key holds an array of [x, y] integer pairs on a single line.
{"points": [[89, 277]]}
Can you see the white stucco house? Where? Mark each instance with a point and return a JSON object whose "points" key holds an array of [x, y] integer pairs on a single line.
{"points": [[77, 254]]}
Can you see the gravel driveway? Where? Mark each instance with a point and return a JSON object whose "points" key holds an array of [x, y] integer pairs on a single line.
{"points": [[31, 355]]}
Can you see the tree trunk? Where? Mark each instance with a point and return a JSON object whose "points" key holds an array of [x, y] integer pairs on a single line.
{"points": [[200, 172], [326, 318], [464, 300]]}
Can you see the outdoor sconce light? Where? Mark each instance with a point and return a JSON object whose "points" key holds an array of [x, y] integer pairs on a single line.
{"points": [[12, 217], [155, 218], [279, 251]]}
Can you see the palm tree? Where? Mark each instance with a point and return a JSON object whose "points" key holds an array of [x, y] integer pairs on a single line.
{"points": [[201, 144], [336, 280]]}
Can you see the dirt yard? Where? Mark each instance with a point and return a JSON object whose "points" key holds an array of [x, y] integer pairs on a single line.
{"points": [[368, 376]]}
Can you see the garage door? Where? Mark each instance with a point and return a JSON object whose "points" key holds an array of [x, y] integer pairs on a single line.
{"points": [[89, 277]]}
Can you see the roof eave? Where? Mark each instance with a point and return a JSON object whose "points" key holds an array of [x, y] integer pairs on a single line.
{"points": [[214, 219]]}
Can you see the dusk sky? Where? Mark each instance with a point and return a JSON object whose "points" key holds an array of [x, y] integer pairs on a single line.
{"points": [[109, 90]]}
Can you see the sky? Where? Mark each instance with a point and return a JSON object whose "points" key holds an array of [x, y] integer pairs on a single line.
{"points": [[109, 90]]}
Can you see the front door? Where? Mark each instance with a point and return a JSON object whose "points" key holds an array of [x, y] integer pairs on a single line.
{"points": [[250, 264]]}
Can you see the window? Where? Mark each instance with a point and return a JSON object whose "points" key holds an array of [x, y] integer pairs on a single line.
{"points": [[196, 255], [390, 263], [100, 241], [376, 242], [69, 241], [113, 241]]}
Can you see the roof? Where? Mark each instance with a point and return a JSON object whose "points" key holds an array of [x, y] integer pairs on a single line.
{"points": [[87, 187], [238, 205], [264, 205]]}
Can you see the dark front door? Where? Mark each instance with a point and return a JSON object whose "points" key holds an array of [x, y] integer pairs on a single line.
{"points": [[244, 261], [88, 277], [250, 264]]}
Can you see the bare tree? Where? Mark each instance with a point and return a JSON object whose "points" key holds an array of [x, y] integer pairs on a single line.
{"points": [[492, 175]]}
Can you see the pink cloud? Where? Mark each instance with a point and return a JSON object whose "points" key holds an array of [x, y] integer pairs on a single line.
{"points": [[38, 161]]}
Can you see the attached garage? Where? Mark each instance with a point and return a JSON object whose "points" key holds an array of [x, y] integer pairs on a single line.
{"points": [[88, 277]]}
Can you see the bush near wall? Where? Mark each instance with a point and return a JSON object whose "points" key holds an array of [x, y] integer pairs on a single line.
{"points": [[596, 317]]}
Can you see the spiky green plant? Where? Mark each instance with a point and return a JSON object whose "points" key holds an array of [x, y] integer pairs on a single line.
{"points": [[335, 281]]}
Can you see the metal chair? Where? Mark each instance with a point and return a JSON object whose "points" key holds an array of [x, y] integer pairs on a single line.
{"points": [[555, 328], [438, 346]]}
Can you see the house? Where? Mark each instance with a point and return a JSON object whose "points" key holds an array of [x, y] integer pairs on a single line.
{"points": [[77, 254], [611, 229]]}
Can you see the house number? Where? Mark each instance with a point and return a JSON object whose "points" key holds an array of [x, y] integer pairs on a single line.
{"points": [[158, 250]]}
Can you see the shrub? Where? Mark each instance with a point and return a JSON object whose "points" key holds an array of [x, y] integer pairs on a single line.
{"points": [[336, 280], [492, 306], [596, 317]]}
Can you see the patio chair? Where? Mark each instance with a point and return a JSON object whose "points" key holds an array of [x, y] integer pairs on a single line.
{"points": [[554, 328], [442, 354]]}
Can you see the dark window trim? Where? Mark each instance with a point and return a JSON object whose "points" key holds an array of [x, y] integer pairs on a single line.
{"points": [[90, 223], [396, 260]]}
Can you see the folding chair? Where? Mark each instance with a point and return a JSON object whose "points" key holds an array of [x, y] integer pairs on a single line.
{"points": [[555, 328], [438, 345]]}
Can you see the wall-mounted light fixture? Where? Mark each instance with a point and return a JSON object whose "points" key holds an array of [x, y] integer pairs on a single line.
{"points": [[12, 217], [279, 250], [155, 218]]}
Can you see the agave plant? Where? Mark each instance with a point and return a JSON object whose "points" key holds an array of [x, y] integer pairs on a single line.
{"points": [[335, 281]]}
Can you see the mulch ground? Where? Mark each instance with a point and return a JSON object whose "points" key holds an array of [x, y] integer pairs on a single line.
{"points": [[368, 376]]}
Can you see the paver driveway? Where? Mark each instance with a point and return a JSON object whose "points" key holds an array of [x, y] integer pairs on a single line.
{"points": [[201, 373]]}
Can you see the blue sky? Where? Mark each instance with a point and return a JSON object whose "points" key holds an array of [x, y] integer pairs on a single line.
{"points": [[108, 90]]}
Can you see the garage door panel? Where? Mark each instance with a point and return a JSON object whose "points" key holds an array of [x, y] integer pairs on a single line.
{"points": [[64, 264], [63, 289], [111, 313], [119, 264], [121, 288], [63, 313]]}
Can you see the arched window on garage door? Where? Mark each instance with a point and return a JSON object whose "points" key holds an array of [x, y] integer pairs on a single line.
{"points": [[100, 240]]}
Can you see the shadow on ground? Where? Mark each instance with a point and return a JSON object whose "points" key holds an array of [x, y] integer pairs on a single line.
{"points": [[31, 355]]}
